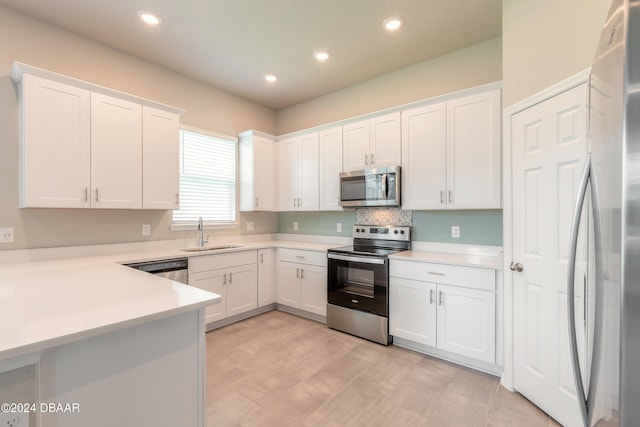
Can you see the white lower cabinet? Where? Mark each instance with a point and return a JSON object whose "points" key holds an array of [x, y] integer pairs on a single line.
{"points": [[266, 294], [302, 280], [234, 276], [447, 307]]}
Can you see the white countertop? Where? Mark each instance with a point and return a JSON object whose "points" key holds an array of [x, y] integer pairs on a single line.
{"points": [[55, 301]]}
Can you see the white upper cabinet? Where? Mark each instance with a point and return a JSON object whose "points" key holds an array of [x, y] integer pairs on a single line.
{"points": [[116, 153], [372, 143], [83, 146], [55, 133], [298, 173], [473, 152], [257, 172], [451, 154], [330, 147], [160, 164]]}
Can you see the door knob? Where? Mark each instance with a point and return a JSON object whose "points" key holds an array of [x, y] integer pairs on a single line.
{"points": [[516, 267]]}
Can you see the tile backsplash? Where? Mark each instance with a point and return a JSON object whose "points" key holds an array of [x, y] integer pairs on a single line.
{"points": [[383, 216]]}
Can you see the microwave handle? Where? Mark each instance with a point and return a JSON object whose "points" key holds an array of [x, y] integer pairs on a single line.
{"points": [[385, 186]]}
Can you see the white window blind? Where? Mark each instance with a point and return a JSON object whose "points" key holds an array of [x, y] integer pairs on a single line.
{"points": [[207, 179]]}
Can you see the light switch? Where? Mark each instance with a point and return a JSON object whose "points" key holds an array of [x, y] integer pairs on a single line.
{"points": [[455, 231], [295, 225]]}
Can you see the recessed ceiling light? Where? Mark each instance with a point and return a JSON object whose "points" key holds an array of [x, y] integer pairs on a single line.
{"points": [[321, 54], [149, 17], [270, 78], [393, 23]]}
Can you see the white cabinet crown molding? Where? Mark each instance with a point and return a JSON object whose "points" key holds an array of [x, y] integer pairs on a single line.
{"points": [[19, 69]]}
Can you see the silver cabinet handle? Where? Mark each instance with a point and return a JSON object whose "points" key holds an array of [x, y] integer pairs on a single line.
{"points": [[516, 267], [261, 258], [302, 273], [230, 278], [300, 202], [297, 273], [86, 194], [441, 197], [366, 159], [256, 202], [431, 296], [97, 195], [300, 256], [372, 159], [439, 297], [450, 196], [571, 274], [177, 198], [433, 273], [224, 279]]}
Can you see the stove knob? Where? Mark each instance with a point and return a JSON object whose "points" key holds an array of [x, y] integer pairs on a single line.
{"points": [[395, 231], [402, 232]]}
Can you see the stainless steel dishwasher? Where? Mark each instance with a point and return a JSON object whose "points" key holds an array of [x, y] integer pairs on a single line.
{"points": [[174, 269]]}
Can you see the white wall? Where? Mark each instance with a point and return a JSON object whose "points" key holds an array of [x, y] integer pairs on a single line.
{"points": [[36, 43], [472, 66], [546, 41]]}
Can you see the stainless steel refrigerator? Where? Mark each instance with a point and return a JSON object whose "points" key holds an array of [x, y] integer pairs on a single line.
{"points": [[605, 342]]}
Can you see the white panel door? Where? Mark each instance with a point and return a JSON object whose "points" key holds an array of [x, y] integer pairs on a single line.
{"points": [[412, 310], [288, 174], [466, 322], [473, 152], [264, 172], [288, 284], [308, 172], [384, 143], [424, 158], [160, 151], [266, 294], [330, 164], [56, 144], [213, 281], [549, 147], [356, 146], [313, 292], [116, 153], [242, 289]]}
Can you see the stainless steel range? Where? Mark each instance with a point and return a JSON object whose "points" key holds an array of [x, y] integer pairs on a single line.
{"points": [[358, 281]]}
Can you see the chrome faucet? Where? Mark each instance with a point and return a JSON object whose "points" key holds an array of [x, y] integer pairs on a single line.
{"points": [[201, 230]]}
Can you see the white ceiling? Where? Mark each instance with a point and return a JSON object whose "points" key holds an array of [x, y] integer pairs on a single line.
{"points": [[231, 44]]}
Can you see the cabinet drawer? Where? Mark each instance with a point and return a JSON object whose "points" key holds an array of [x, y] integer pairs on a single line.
{"points": [[303, 257], [469, 277], [213, 262]]}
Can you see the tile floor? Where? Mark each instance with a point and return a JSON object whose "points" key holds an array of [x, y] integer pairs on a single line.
{"points": [[278, 369]]}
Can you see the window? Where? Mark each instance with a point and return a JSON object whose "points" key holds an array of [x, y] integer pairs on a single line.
{"points": [[207, 179]]}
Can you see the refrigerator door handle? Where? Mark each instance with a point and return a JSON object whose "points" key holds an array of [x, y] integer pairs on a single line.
{"points": [[571, 273]]}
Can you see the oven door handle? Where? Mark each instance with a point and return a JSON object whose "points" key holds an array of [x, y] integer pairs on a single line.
{"points": [[364, 260]]}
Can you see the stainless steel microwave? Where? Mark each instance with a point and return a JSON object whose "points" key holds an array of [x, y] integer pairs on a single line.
{"points": [[370, 187]]}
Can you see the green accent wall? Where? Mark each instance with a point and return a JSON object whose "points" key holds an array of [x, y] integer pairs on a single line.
{"points": [[477, 227]]}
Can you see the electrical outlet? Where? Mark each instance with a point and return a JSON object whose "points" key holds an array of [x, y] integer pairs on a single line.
{"points": [[14, 419], [339, 227], [455, 231], [295, 225], [6, 236], [251, 226], [146, 231]]}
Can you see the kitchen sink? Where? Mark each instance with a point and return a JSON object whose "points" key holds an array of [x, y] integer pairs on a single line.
{"points": [[210, 248]]}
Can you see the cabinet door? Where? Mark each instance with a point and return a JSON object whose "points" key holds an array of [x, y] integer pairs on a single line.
{"points": [[242, 289], [288, 174], [265, 277], [356, 146], [160, 151], [313, 293], [55, 156], [116, 153], [473, 152], [308, 172], [212, 281], [385, 145], [412, 310], [288, 284], [424, 157], [330, 148], [263, 179], [466, 322]]}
